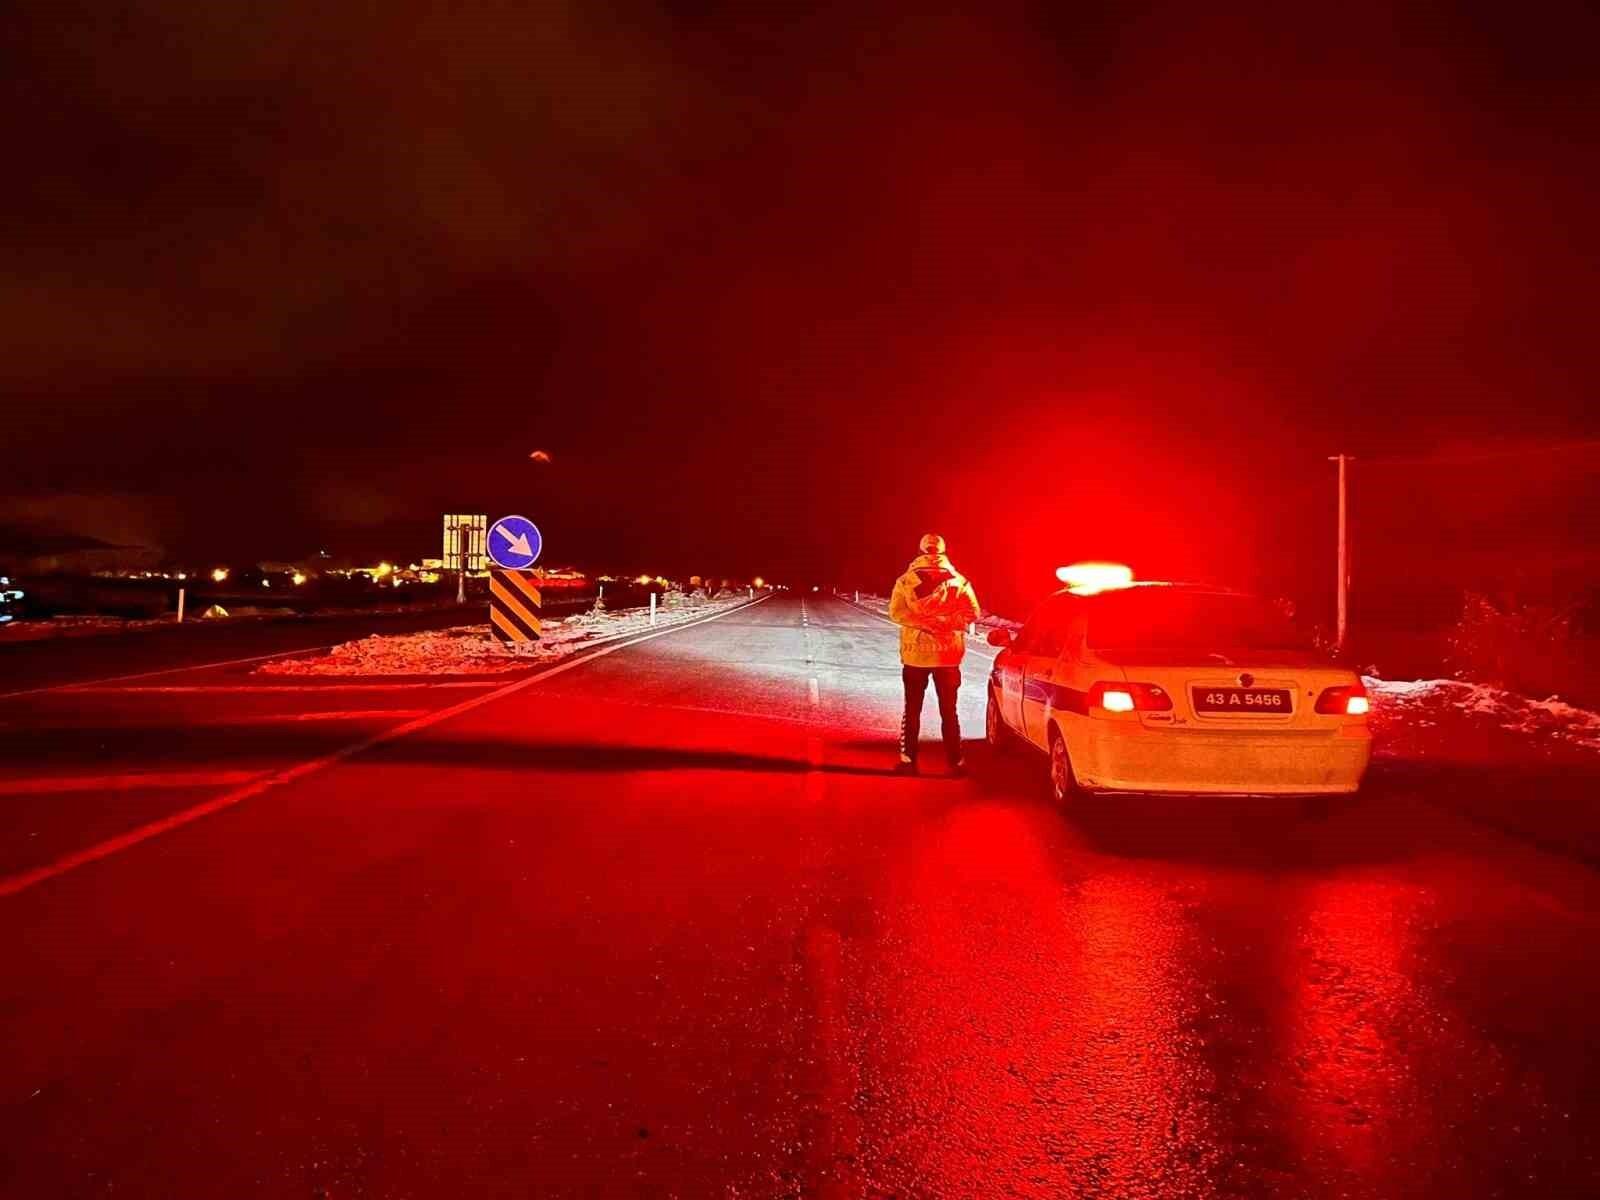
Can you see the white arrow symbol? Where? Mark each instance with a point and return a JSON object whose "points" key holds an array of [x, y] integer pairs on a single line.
{"points": [[518, 543]]}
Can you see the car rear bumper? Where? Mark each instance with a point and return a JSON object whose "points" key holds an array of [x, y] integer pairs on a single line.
{"points": [[1124, 756]]}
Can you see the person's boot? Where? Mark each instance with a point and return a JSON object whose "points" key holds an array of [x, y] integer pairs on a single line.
{"points": [[906, 766], [953, 756]]}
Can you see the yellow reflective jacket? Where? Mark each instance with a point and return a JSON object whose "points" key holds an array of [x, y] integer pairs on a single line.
{"points": [[933, 604]]}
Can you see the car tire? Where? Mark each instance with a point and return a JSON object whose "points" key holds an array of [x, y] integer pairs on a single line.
{"points": [[994, 726], [1062, 782]]}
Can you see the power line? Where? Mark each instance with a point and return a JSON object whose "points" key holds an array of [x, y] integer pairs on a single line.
{"points": [[1486, 455]]}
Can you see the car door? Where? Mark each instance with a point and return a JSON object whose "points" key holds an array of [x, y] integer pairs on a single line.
{"points": [[1009, 668], [1039, 667]]}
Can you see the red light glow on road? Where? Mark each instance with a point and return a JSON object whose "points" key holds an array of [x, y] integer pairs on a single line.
{"points": [[1002, 993]]}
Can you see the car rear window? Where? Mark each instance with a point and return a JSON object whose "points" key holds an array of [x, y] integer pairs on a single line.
{"points": [[1167, 620]]}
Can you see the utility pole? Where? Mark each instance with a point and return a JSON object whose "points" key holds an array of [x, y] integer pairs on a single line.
{"points": [[1344, 461]]}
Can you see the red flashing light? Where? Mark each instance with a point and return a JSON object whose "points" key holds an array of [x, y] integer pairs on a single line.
{"points": [[1087, 578]]}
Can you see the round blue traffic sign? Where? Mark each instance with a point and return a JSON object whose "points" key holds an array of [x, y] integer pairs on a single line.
{"points": [[514, 543]]}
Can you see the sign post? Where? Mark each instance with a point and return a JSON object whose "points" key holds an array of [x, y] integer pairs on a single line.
{"points": [[1342, 629], [464, 537]]}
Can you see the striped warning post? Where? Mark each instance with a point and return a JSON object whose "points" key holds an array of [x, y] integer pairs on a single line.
{"points": [[514, 605]]}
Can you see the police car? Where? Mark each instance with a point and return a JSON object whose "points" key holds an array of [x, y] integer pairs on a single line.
{"points": [[1166, 687]]}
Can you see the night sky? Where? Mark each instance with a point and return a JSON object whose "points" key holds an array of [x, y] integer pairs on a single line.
{"points": [[780, 292]]}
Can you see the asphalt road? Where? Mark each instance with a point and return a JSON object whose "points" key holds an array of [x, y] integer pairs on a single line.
{"points": [[662, 924]]}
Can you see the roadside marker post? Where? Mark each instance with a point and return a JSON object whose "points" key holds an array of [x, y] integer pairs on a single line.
{"points": [[513, 545], [514, 606], [180, 606], [652, 608]]}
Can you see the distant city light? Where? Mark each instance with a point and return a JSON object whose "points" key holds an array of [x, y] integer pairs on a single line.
{"points": [[299, 578], [759, 582], [218, 575], [266, 583]]}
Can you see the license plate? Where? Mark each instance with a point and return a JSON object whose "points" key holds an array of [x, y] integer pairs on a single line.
{"points": [[1241, 700]]}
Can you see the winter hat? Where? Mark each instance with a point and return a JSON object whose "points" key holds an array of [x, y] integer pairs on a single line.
{"points": [[931, 543]]}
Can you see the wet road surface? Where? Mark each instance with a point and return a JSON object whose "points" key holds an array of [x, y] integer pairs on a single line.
{"points": [[662, 924]]}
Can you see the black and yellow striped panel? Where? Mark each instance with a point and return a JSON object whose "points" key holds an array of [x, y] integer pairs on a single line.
{"points": [[514, 605]]}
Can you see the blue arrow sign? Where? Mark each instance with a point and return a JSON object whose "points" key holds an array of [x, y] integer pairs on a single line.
{"points": [[514, 543]]}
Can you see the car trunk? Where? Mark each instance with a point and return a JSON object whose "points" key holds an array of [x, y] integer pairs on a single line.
{"points": [[1258, 690]]}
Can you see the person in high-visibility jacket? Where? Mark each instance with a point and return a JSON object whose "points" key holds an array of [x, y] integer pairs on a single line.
{"points": [[933, 604]]}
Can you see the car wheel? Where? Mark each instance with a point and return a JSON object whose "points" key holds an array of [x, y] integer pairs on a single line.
{"points": [[994, 729], [1063, 786]]}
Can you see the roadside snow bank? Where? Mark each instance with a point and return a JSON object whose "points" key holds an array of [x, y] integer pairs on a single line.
{"points": [[1413, 717], [1527, 767], [469, 650], [76, 626]]}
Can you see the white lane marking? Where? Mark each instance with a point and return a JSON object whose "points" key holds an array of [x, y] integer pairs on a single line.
{"points": [[354, 714], [48, 786], [269, 688], [816, 695], [231, 662], [22, 881]]}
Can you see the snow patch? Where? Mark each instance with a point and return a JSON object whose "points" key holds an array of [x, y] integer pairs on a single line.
{"points": [[50, 628], [1475, 708], [469, 649]]}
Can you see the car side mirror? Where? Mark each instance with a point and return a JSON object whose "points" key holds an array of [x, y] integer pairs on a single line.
{"points": [[1001, 637]]}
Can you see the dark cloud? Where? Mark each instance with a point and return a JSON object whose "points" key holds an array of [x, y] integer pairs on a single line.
{"points": [[781, 289]]}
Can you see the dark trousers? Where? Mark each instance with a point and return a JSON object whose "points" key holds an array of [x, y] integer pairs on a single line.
{"points": [[946, 681]]}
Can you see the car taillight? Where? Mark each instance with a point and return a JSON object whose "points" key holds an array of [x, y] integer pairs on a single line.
{"points": [[1129, 697], [1115, 700], [1349, 700]]}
